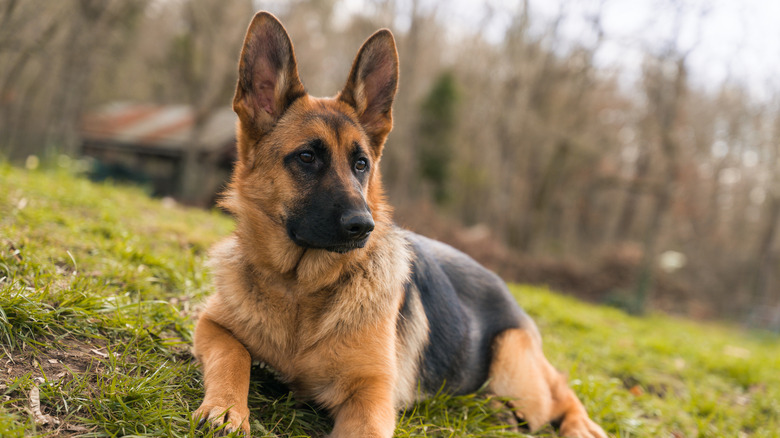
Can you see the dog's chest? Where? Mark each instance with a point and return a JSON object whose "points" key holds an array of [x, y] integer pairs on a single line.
{"points": [[275, 324], [289, 328]]}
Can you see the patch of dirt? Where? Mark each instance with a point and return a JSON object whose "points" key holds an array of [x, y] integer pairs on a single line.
{"points": [[68, 356], [59, 363]]}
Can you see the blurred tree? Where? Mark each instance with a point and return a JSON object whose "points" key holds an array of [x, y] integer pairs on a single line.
{"points": [[56, 49], [202, 66], [665, 84], [435, 134]]}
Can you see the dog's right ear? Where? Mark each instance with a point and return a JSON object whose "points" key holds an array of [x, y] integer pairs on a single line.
{"points": [[267, 76], [371, 86]]}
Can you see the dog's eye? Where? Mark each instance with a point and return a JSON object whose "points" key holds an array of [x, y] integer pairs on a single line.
{"points": [[361, 164], [306, 157]]}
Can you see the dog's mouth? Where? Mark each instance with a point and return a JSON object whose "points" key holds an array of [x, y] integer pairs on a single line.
{"points": [[340, 248]]}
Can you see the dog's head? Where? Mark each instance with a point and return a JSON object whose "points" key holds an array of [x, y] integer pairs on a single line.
{"points": [[310, 165]]}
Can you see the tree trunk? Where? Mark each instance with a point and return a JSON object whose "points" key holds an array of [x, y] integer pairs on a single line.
{"points": [[630, 204], [543, 195]]}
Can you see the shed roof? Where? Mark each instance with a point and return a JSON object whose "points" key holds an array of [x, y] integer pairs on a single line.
{"points": [[151, 125]]}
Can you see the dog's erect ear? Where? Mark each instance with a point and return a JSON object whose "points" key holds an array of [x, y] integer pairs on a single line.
{"points": [[267, 75], [371, 86]]}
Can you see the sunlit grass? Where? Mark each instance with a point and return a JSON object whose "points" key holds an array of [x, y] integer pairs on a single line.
{"points": [[99, 285]]}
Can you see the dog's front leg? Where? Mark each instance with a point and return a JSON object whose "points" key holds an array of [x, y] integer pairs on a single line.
{"points": [[368, 412], [226, 368]]}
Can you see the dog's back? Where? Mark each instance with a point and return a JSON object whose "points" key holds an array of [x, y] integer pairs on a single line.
{"points": [[466, 307]]}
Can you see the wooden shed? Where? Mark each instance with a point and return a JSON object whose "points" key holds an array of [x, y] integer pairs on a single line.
{"points": [[153, 145]]}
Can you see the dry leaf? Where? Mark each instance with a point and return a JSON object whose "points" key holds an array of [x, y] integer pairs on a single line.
{"points": [[75, 428]]}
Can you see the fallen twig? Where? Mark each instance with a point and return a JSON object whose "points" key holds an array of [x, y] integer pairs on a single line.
{"points": [[35, 406]]}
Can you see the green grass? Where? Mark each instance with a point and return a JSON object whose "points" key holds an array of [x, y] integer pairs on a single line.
{"points": [[99, 286]]}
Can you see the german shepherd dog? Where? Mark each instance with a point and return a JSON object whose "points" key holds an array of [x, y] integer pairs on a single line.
{"points": [[355, 314]]}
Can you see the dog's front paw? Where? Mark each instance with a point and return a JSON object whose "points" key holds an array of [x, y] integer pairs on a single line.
{"points": [[235, 419], [580, 426]]}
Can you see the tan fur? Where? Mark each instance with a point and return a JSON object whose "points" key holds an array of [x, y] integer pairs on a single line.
{"points": [[538, 391], [325, 321], [411, 343], [226, 363], [331, 342]]}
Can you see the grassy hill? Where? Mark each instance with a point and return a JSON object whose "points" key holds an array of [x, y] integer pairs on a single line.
{"points": [[99, 286]]}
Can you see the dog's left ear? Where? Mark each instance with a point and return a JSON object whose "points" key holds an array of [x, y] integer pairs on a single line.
{"points": [[372, 84]]}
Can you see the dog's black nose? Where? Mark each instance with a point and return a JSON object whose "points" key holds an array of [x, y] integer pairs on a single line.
{"points": [[357, 225]]}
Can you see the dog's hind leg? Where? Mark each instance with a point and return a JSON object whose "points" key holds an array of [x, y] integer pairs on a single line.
{"points": [[538, 393]]}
